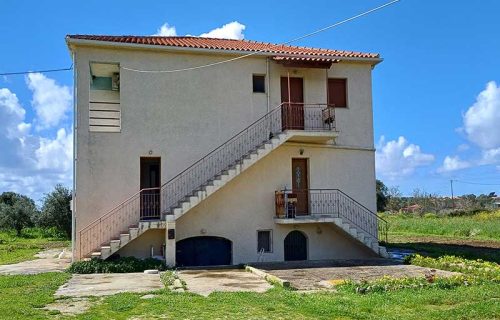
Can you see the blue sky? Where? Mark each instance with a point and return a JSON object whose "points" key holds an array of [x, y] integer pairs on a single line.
{"points": [[436, 95]]}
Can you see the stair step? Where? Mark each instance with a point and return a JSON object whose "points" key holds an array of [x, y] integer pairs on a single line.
{"points": [[96, 254]]}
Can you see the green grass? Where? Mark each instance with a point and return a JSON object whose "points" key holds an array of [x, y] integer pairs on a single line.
{"points": [[22, 297], [483, 226], [475, 302], [15, 249]]}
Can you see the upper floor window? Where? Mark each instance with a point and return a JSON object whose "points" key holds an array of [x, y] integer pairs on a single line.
{"points": [[259, 83], [337, 92], [104, 97]]}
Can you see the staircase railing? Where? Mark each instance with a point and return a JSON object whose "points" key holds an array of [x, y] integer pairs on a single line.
{"points": [[287, 116], [332, 203], [143, 204]]}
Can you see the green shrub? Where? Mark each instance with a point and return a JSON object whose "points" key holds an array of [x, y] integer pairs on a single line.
{"points": [[391, 284], [430, 215], [119, 265], [475, 268]]}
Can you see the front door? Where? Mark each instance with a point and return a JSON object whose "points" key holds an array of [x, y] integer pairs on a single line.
{"points": [[300, 185], [150, 188], [292, 111]]}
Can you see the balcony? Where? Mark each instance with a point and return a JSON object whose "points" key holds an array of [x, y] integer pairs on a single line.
{"points": [[327, 206], [313, 123]]}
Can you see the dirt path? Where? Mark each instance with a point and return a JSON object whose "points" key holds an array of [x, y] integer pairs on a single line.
{"points": [[52, 260]]}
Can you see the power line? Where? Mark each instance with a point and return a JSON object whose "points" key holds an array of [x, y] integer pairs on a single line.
{"points": [[37, 71], [263, 50], [478, 183]]}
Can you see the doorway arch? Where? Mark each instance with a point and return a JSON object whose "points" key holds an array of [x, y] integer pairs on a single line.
{"points": [[295, 246]]}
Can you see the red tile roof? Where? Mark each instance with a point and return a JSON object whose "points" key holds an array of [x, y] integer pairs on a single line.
{"points": [[226, 44]]}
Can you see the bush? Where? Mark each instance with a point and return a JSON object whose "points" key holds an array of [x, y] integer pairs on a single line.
{"points": [[391, 284], [119, 265], [476, 268]]}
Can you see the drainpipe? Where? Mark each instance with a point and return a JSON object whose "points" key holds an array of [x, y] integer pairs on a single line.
{"points": [[73, 200], [268, 85]]}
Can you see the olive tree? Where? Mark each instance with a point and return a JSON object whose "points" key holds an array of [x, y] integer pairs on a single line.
{"points": [[56, 211]]}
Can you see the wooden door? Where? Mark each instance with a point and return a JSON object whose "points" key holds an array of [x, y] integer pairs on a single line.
{"points": [[292, 112], [150, 178], [300, 185], [295, 245]]}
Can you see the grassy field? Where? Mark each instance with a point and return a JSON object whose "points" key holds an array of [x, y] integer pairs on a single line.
{"points": [[483, 226], [472, 237], [23, 296], [15, 249]]}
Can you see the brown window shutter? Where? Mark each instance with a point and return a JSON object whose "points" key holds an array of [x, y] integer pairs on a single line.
{"points": [[337, 92]]}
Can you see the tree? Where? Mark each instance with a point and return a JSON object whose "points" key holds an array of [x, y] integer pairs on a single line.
{"points": [[395, 199], [16, 211], [56, 211], [382, 196]]}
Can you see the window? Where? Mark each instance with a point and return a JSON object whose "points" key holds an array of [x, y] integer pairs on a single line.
{"points": [[259, 83], [337, 92], [264, 241], [104, 97]]}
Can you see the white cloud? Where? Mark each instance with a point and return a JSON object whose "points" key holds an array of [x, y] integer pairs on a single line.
{"points": [[166, 31], [31, 163], [232, 30], [453, 164], [57, 153], [482, 119], [490, 156], [50, 100], [398, 158]]}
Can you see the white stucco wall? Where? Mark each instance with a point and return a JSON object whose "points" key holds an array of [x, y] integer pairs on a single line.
{"points": [[180, 117], [246, 204]]}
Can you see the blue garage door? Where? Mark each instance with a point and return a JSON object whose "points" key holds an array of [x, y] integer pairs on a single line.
{"points": [[203, 251]]}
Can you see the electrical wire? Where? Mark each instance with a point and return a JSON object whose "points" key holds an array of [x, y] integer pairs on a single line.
{"points": [[265, 50], [477, 183], [37, 71]]}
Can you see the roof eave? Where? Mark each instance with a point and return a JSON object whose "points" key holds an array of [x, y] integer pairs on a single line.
{"points": [[72, 42]]}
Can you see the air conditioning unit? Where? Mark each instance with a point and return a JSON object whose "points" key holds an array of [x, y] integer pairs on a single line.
{"points": [[115, 81]]}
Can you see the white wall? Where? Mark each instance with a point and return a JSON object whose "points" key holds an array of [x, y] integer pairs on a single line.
{"points": [[182, 116]]}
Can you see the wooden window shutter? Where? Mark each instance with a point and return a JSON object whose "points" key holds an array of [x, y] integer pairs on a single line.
{"points": [[337, 92]]}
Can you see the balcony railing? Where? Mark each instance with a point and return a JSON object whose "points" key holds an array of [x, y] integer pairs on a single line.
{"points": [[333, 203]]}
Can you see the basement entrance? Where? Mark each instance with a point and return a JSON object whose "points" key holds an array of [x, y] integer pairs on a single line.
{"points": [[203, 251], [295, 246]]}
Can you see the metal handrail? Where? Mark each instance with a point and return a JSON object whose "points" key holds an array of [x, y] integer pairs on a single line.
{"points": [[94, 230], [337, 203]]}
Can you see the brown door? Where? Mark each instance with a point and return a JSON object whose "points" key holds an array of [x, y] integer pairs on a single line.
{"points": [[300, 185], [292, 112], [150, 186]]}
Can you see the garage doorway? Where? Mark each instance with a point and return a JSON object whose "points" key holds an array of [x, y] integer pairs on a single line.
{"points": [[295, 246], [203, 251]]}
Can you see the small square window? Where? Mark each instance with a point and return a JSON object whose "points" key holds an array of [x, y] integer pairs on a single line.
{"points": [[264, 241], [259, 83]]}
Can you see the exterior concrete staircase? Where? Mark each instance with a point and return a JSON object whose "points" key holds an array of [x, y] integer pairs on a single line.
{"points": [[126, 237], [219, 181], [362, 236]]}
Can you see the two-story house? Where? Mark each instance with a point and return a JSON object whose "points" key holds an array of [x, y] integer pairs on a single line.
{"points": [[213, 152]]}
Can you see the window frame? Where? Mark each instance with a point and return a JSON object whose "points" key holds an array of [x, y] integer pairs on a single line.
{"points": [[346, 90], [254, 75], [270, 231]]}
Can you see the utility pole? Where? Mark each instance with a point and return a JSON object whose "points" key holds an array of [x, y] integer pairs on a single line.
{"points": [[452, 202]]}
